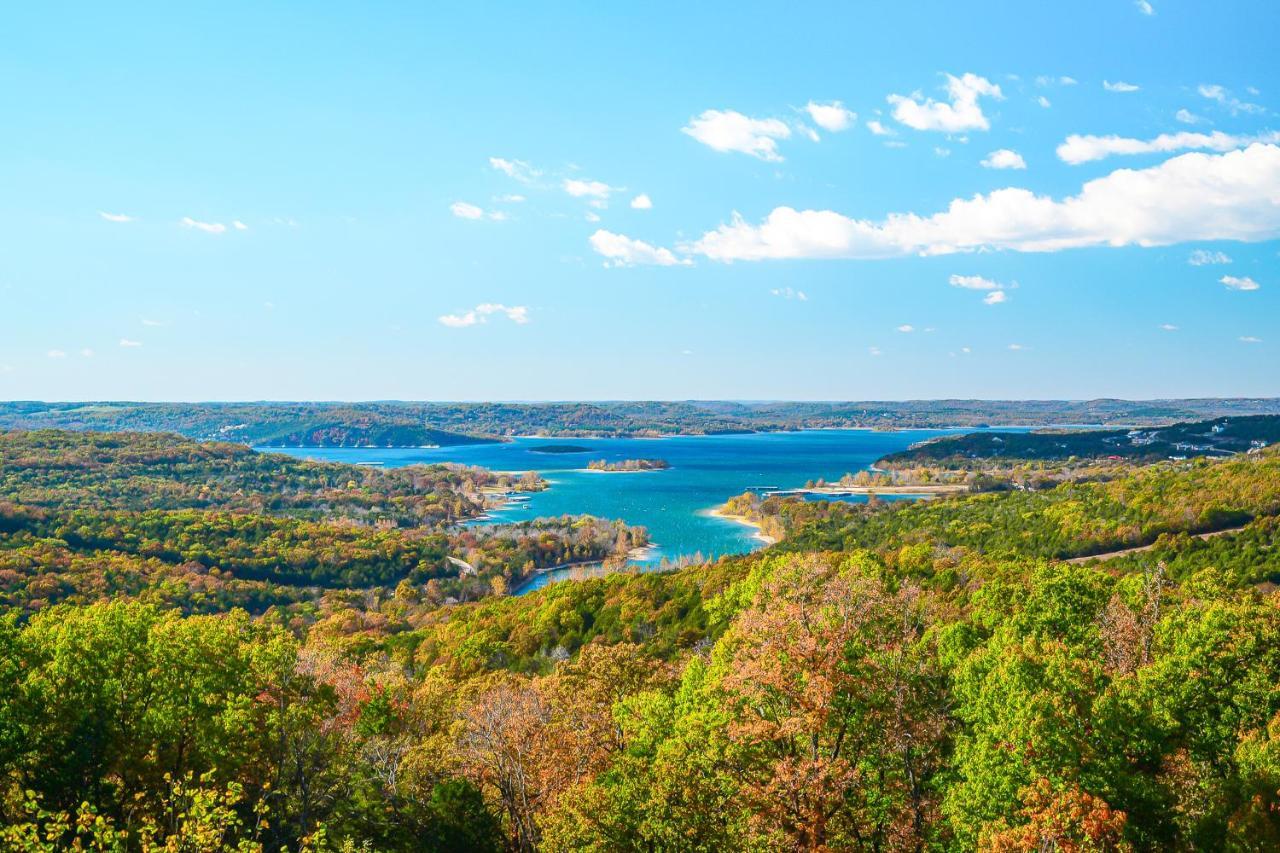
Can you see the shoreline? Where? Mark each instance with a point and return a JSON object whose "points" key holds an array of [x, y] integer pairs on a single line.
{"points": [[760, 535], [923, 491]]}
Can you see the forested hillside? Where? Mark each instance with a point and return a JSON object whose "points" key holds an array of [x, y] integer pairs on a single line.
{"points": [[889, 677]]}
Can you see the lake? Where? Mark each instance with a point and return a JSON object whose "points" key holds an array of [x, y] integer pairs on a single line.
{"points": [[673, 504]]}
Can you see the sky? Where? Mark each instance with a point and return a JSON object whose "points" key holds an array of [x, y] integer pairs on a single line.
{"points": [[576, 201]]}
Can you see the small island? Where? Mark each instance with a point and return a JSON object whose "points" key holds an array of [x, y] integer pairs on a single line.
{"points": [[628, 466], [560, 448]]}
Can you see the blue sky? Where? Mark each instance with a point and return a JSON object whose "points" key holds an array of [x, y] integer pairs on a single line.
{"points": [[432, 201]]}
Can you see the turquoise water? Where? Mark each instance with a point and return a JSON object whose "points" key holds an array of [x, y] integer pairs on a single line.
{"points": [[672, 504]]}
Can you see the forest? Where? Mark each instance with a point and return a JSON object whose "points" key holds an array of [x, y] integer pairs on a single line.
{"points": [[891, 676], [413, 424]]}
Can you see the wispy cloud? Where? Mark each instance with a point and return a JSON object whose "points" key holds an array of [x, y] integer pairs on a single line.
{"points": [[729, 130], [906, 328], [1223, 96], [1168, 327], [56, 353], [962, 112], [879, 129], [587, 189], [620, 250], [1145, 7], [974, 282], [790, 293], [1017, 347], [516, 169], [1250, 339], [130, 344], [518, 314], [1187, 117], [995, 297], [1119, 86], [466, 210], [1204, 257], [115, 217], [1239, 282], [207, 227]]}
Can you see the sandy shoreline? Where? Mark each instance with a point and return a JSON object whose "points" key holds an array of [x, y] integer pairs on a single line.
{"points": [[742, 519]]}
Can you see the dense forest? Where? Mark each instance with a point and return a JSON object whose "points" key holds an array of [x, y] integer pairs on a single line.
{"points": [[1219, 436], [410, 424], [890, 676]]}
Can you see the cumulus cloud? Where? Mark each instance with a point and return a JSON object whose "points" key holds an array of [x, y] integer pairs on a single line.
{"points": [[1084, 149], [727, 130], [1187, 117], [790, 293], [129, 344], [1119, 86], [1224, 97], [620, 250], [587, 189], [962, 112], [1231, 196], [642, 202], [518, 314], [833, 116], [995, 297], [115, 217], [207, 227], [879, 129], [1239, 282], [1204, 257], [516, 169], [1004, 158]]}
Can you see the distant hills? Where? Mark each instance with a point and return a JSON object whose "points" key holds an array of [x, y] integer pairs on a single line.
{"points": [[1213, 437], [411, 424]]}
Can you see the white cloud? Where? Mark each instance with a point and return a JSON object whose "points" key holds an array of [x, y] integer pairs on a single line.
{"points": [[238, 225], [961, 113], [1233, 104], [1016, 347], [587, 189], [518, 314], [1067, 81], [622, 251], [974, 282], [1145, 7], [833, 116], [1250, 339], [1168, 327], [879, 129], [1004, 158], [1232, 196], [86, 352], [1204, 257], [1084, 149], [511, 198], [207, 227], [906, 328], [1119, 86], [727, 130], [56, 353], [591, 216], [465, 210], [517, 169], [128, 344], [995, 297], [1187, 117], [1239, 282], [115, 217], [1044, 102], [642, 202], [790, 293]]}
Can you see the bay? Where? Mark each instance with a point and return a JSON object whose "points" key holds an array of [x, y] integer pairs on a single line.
{"points": [[673, 504]]}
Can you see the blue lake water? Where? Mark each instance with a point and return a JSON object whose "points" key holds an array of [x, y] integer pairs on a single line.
{"points": [[673, 504]]}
